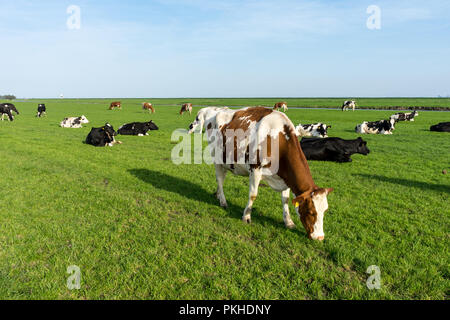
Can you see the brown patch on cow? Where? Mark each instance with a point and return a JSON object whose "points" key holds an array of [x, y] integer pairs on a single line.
{"points": [[115, 104], [186, 107], [148, 106], [278, 105], [293, 167], [253, 198], [209, 126], [242, 119]]}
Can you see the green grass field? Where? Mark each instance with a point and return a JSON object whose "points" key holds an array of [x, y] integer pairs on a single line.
{"points": [[140, 227]]}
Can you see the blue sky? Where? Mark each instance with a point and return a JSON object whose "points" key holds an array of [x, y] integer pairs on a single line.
{"points": [[211, 48]]}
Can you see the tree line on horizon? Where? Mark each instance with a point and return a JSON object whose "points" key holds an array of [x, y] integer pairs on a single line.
{"points": [[8, 97]]}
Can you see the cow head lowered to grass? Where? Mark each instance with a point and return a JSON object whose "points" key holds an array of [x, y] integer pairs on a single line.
{"points": [[311, 207], [102, 137]]}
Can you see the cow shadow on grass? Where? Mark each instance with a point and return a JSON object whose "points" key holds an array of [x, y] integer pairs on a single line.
{"points": [[196, 192], [407, 183]]}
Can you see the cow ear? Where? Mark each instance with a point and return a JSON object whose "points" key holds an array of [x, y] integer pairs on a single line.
{"points": [[300, 199]]}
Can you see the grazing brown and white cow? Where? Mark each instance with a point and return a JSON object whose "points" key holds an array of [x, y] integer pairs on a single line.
{"points": [[262, 144], [186, 107], [148, 106], [280, 105], [115, 104]]}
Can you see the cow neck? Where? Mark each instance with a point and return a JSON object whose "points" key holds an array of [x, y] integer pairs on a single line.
{"points": [[297, 173]]}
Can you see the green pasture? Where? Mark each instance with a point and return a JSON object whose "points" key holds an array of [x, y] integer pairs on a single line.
{"points": [[140, 227]]}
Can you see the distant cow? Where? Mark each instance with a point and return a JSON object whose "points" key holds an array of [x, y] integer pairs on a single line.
{"points": [[137, 128], [441, 127], [281, 105], [116, 104], [41, 110], [333, 149], [5, 110], [312, 130], [376, 127], [349, 104], [203, 115], [102, 137], [186, 107], [148, 106], [74, 122], [405, 116], [11, 107]]}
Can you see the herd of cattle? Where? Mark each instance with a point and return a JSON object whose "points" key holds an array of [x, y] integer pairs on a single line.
{"points": [[265, 125]]}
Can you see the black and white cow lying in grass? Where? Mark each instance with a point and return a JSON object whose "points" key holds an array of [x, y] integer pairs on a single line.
{"points": [[137, 128], [376, 127], [74, 122], [312, 130], [405, 116], [5, 110], [333, 149], [102, 137], [41, 110], [441, 127]]}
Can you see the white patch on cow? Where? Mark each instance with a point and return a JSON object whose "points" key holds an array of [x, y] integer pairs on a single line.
{"points": [[275, 182], [321, 204]]}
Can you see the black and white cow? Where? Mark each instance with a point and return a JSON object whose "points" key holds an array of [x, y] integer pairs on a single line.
{"points": [[312, 130], [405, 116], [333, 149], [74, 122], [41, 110], [349, 104], [376, 127], [11, 107], [5, 110], [102, 137], [441, 127], [137, 128]]}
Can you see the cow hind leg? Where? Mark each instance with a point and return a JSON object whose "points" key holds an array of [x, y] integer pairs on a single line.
{"points": [[286, 215], [255, 179], [220, 178]]}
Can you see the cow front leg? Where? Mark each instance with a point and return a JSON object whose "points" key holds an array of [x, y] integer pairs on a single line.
{"points": [[286, 215], [255, 179], [221, 173]]}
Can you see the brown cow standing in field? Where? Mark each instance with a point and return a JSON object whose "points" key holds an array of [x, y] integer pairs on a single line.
{"points": [[262, 144], [279, 105], [148, 106], [186, 107], [115, 104]]}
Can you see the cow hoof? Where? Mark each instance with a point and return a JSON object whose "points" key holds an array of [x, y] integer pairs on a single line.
{"points": [[290, 226], [224, 205], [247, 219]]}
